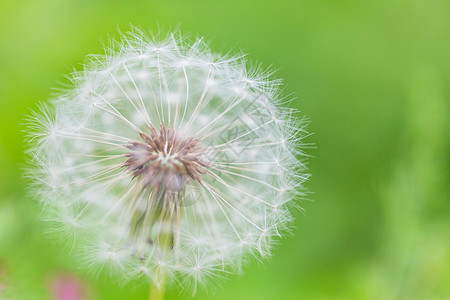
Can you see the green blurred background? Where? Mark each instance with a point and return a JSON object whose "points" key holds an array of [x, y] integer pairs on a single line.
{"points": [[373, 78]]}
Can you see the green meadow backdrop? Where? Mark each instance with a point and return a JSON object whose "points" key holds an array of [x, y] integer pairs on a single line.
{"points": [[371, 76]]}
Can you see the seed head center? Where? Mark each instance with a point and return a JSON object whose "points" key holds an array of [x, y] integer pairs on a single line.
{"points": [[165, 159]]}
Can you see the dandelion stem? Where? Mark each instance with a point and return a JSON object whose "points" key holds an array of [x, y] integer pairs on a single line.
{"points": [[157, 291], [164, 242]]}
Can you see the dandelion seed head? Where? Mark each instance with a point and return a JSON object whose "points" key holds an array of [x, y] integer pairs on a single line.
{"points": [[164, 158]]}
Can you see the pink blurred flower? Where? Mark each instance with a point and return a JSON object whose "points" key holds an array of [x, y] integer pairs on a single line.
{"points": [[2, 285], [65, 286]]}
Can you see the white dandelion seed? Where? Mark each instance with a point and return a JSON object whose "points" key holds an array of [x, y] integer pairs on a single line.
{"points": [[168, 161]]}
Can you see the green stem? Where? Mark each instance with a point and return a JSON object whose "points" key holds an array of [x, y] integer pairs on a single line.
{"points": [[157, 292], [164, 241]]}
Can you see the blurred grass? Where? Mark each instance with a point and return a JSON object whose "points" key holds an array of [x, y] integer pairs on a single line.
{"points": [[371, 75]]}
